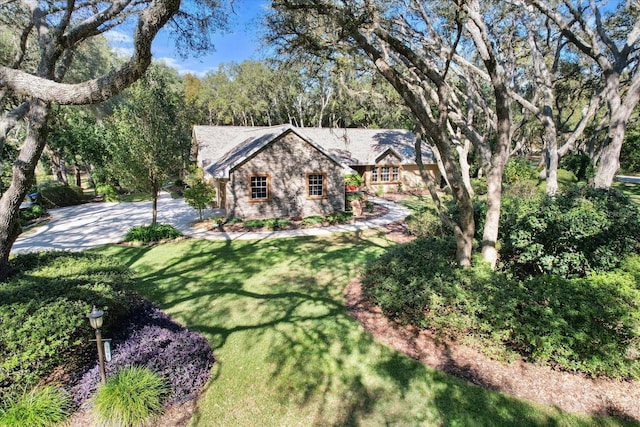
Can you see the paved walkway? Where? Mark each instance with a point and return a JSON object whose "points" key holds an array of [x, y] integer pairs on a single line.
{"points": [[629, 179], [77, 228]]}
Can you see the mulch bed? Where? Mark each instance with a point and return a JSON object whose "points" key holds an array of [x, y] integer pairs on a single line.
{"points": [[569, 391]]}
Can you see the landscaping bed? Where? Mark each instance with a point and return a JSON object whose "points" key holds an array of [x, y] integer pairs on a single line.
{"points": [[236, 226], [572, 392], [48, 366]]}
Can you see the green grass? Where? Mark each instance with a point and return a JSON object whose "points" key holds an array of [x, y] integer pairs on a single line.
{"points": [[288, 353], [631, 190]]}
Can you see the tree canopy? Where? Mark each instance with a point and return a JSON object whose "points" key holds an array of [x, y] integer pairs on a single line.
{"points": [[39, 43], [458, 67]]}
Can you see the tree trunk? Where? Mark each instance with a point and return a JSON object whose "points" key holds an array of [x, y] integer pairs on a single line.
{"points": [[492, 221], [78, 175], [620, 112], [154, 217], [464, 230], [610, 157], [494, 180], [22, 178], [477, 27], [465, 168]]}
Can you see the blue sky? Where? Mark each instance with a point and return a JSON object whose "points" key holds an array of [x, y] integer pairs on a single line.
{"points": [[240, 42]]}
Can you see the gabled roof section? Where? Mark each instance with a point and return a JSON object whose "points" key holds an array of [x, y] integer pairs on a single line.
{"points": [[360, 147], [389, 151], [221, 148]]}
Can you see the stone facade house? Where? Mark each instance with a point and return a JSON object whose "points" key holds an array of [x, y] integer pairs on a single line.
{"points": [[283, 171]]}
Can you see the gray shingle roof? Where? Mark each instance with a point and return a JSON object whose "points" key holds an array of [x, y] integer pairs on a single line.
{"points": [[221, 148]]}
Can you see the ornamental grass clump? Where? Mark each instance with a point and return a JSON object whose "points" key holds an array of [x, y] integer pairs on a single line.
{"points": [[130, 398], [39, 407]]}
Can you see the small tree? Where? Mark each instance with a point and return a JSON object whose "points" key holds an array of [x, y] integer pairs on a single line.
{"points": [[199, 195], [148, 135]]}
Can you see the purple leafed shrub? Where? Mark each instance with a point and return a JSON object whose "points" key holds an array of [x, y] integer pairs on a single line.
{"points": [[151, 339]]}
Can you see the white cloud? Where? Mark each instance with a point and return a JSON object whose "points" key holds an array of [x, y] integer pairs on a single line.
{"points": [[179, 67], [114, 36]]}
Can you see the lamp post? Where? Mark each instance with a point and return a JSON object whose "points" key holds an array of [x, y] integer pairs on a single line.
{"points": [[95, 318]]}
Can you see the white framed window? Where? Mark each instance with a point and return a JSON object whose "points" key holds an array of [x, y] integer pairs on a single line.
{"points": [[316, 185], [259, 190], [385, 174]]}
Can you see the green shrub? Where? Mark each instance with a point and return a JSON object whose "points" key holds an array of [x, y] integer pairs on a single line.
{"points": [[255, 223], [356, 195], [39, 407], [569, 235], [31, 213], [479, 186], [524, 189], [401, 280], [630, 153], [579, 164], [151, 233], [55, 196], [518, 169], [310, 221], [353, 179], [425, 222], [276, 223], [566, 180], [587, 324], [339, 217], [108, 191], [370, 206], [130, 398], [44, 312]]}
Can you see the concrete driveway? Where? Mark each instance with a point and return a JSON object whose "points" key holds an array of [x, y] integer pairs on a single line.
{"points": [[77, 228]]}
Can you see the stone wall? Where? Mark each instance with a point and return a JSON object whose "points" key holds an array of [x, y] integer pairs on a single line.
{"points": [[286, 162]]}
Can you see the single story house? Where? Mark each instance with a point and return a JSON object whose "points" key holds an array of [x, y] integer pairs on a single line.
{"points": [[284, 171]]}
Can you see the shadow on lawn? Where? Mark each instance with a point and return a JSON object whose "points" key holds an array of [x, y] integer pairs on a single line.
{"points": [[289, 292]]}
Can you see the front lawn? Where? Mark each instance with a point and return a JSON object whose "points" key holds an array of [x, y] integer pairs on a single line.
{"points": [[288, 353]]}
